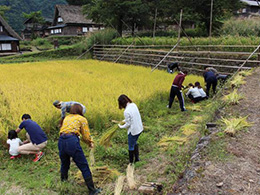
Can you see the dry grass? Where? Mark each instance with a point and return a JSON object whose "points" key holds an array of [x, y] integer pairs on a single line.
{"points": [[166, 141], [197, 108], [231, 126]]}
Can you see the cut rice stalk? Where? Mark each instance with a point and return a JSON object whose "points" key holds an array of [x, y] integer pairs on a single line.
{"points": [[164, 142], [246, 73], [233, 125], [232, 98], [92, 157], [189, 129], [237, 81], [197, 119], [119, 184], [108, 135], [130, 176], [197, 108]]}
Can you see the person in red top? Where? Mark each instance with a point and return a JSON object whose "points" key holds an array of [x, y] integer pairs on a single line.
{"points": [[176, 90]]}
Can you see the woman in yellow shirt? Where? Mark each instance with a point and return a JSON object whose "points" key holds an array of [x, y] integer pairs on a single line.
{"points": [[73, 125]]}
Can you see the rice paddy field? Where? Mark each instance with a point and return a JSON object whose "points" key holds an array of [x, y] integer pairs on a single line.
{"points": [[32, 87]]}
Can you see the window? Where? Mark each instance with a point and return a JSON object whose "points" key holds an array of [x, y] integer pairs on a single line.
{"points": [[6, 46], [85, 29], [244, 10], [90, 29], [56, 31], [60, 19], [52, 31], [1, 29]]}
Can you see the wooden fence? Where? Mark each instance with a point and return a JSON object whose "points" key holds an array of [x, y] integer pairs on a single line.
{"points": [[225, 58]]}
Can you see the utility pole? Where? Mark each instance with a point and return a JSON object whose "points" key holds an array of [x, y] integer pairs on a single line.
{"points": [[179, 33], [211, 13], [154, 25]]}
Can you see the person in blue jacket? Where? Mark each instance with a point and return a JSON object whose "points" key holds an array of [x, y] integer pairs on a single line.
{"points": [[211, 80]]}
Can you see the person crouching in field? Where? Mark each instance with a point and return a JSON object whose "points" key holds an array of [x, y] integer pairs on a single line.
{"points": [[176, 90], [73, 125], [202, 92], [65, 107], [194, 94], [36, 138], [14, 142], [133, 123]]}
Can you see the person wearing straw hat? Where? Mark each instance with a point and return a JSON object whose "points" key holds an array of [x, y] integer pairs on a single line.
{"points": [[65, 107]]}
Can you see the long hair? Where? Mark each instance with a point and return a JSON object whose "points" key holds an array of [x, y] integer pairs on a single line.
{"points": [[123, 100], [12, 134], [76, 109]]}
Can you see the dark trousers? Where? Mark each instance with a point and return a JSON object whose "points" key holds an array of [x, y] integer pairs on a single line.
{"points": [[213, 83], [69, 146], [195, 100], [176, 91]]}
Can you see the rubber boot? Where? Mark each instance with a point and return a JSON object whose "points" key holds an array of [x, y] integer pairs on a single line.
{"points": [[136, 151], [91, 187], [64, 176], [131, 156]]}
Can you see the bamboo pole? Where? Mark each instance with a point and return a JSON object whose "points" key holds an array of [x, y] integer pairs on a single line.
{"points": [[166, 55]]}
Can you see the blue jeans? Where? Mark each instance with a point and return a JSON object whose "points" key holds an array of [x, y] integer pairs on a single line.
{"points": [[69, 146], [132, 141]]}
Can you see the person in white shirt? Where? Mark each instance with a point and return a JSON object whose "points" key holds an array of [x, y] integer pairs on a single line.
{"points": [[194, 94], [202, 92], [133, 123], [14, 142]]}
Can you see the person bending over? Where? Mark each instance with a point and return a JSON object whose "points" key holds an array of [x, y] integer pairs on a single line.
{"points": [[211, 80], [176, 90]]}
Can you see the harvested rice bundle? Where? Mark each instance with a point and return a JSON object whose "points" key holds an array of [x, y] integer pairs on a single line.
{"points": [[100, 175], [119, 184], [164, 142], [246, 73], [92, 157], [107, 136], [197, 119], [233, 125], [232, 98], [197, 108], [189, 129], [237, 81], [130, 176]]}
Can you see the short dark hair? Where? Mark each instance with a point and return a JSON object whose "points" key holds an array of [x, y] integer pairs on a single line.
{"points": [[12, 134], [185, 72], [76, 109], [26, 116], [123, 100], [197, 84], [190, 84]]}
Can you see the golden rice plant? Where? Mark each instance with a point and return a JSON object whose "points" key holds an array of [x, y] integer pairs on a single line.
{"points": [[95, 84], [108, 135], [130, 176], [232, 125], [232, 98]]}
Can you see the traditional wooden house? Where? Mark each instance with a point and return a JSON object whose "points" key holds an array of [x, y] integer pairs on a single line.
{"points": [[69, 20], [39, 30], [9, 39], [251, 7]]}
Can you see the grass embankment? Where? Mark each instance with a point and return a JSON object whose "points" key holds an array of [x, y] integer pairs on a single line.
{"points": [[97, 85]]}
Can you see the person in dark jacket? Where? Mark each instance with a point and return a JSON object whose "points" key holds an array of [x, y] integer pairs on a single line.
{"points": [[176, 90], [211, 80], [172, 66]]}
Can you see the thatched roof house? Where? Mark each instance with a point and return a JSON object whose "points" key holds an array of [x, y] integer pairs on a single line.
{"points": [[69, 20], [9, 39]]}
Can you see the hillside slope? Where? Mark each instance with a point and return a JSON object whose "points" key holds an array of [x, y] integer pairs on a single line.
{"points": [[14, 15]]}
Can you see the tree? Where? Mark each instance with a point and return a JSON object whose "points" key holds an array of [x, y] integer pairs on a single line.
{"points": [[3, 9], [117, 12], [78, 2], [36, 19]]}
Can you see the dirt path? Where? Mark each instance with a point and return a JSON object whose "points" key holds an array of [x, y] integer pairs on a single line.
{"points": [[240, 174]]}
